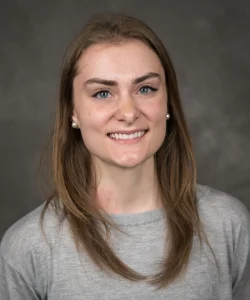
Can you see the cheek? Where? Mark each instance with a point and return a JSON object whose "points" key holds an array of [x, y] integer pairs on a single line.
{"points": [[157, 109], [158, 118], [157, 115], [92, 120], [92, 124]]}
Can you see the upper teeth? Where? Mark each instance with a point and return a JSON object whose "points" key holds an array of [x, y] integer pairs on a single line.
{"points": [[122, 136]]}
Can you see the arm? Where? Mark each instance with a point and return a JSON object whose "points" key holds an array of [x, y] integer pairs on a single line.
{"points": [[13, 285], [241, 265]]}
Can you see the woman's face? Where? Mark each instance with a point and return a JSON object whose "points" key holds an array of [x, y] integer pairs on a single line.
{"points": [[120, 102]]}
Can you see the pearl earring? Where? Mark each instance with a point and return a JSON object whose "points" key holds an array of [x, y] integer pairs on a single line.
{"points": [[168, 116], [74, 125]]}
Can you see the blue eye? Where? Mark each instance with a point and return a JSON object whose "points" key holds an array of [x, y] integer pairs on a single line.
{"points": [[147, 89], [103, 94]]}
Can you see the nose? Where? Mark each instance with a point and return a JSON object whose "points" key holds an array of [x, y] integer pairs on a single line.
{"points": [[127, 109]]}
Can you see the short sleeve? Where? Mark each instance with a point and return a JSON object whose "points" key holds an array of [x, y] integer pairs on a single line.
{"points": [[24, 257], [241, 264], [13, 286]]}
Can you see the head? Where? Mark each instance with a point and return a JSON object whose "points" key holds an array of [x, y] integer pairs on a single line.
{"points": [[117, 78]]}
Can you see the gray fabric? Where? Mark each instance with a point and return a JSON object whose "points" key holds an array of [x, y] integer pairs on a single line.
{"points": [[30, 269]]}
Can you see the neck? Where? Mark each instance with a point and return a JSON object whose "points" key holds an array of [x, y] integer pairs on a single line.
{"points": [[127, 190]]}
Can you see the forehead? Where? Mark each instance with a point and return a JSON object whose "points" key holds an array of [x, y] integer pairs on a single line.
{"points": [[127, 59]]}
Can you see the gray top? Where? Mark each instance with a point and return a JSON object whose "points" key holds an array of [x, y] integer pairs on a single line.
{"points": [[29, 270]]}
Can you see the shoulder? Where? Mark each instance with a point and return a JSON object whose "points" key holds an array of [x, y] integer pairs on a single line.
{"points": [[25, 238], [219, 207], [226, 221]]}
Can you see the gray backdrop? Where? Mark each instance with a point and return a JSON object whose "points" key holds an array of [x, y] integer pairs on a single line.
{"points": [[209, 42]]}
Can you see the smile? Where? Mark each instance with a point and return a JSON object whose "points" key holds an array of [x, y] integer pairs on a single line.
{"points": [[124, 136]]}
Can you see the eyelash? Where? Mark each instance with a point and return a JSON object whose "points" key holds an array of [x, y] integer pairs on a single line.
{"points": [[149, 87], [100, 91], [107, 90]]}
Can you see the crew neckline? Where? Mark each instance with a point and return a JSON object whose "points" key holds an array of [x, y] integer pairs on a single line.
{"points": [[138, 219]]}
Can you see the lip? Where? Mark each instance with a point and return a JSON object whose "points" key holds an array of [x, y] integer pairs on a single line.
{"points": [[128, 141], [127, 131]]}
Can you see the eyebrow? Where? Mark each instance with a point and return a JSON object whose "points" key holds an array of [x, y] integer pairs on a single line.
{"points": [[115, 83]]}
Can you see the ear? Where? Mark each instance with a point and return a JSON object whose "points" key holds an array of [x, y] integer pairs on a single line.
{"points": [[74, 117]]}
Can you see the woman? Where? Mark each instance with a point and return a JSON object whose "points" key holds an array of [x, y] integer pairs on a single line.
{"points": [[126, 219]]}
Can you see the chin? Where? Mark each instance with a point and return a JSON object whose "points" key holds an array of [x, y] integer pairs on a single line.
{"points": [[129, 162], [127, 165]]}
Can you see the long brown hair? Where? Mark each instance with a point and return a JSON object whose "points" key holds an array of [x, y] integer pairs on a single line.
{"points": [[74, 184]]}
